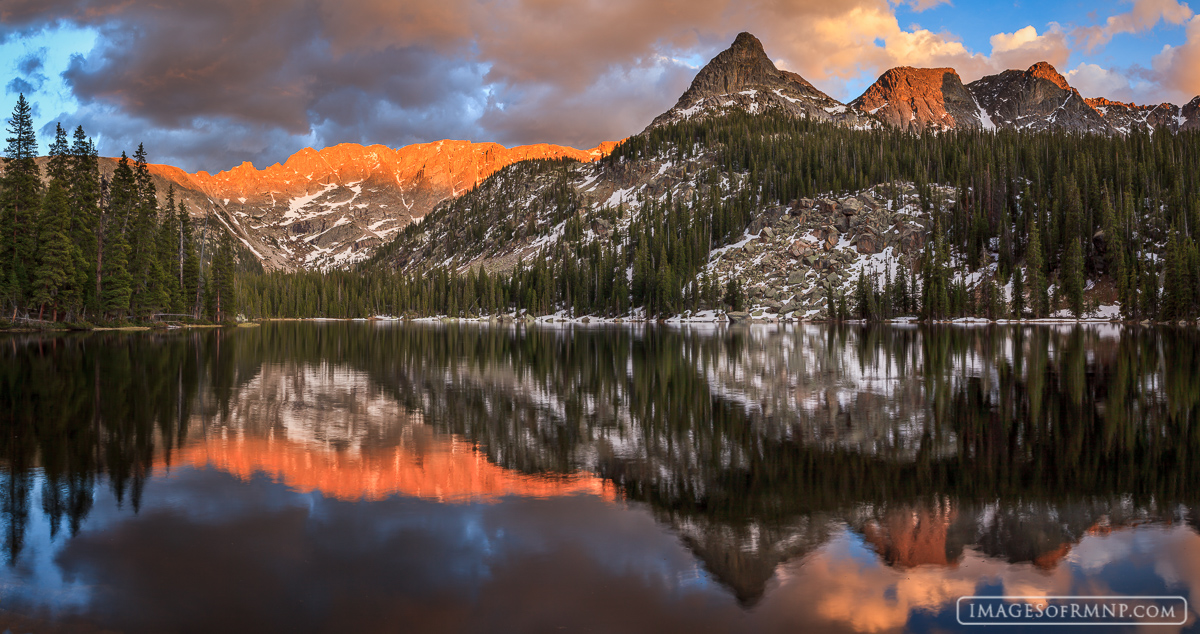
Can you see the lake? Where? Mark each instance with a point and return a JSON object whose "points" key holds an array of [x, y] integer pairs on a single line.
{"points": [[367, 476]]}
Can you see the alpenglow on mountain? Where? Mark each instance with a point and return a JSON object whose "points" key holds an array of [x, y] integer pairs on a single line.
{"points": [[334, 207]]}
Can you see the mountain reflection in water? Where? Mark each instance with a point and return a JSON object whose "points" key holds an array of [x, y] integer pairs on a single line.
{"points": [[352, 476]]}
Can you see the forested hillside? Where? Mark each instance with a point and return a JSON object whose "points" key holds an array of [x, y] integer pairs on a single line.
{"points": [[1018, 223]]}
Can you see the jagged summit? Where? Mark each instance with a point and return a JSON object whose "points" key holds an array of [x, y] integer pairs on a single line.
{"points": [[743, 76], [1043, 70], [1036, 99], [744, 66], [917, 99]]}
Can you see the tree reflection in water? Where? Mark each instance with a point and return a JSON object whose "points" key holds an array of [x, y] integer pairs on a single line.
{"points": [[941, 446]]}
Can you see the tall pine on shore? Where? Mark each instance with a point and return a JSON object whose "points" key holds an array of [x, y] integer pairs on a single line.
{"points": [[20, 198]]}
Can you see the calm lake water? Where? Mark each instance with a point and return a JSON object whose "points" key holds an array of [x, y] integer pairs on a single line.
{"points": [[347, 477]]}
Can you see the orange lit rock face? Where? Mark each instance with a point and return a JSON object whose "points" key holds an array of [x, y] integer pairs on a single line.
{"points": [[1043, 70], [444, 167], [331, 207], [916, 99], [449, 471]]}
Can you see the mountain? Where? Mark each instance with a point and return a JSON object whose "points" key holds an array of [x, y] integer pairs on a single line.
{"points": [[1036, 100], [916, 99], [336, 206], [331, 207], [744, 77], [1130, 117]]}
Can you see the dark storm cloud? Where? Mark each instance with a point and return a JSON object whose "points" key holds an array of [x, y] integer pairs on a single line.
{"points": [[280, 74], [269, 76]]}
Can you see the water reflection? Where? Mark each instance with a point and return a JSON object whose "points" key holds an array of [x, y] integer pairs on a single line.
{"points": [[852, 479]]}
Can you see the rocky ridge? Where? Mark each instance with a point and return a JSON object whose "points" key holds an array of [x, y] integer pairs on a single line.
{"points": [[332, 207], [1036, 99], [1129, 117]]}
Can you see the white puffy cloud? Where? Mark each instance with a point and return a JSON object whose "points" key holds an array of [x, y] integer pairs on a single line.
{"points": [[1092, 80], [1025, 47]]}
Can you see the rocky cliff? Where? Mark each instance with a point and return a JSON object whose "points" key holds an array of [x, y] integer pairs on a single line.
{"points": [[917, 99], [1036, 99]]}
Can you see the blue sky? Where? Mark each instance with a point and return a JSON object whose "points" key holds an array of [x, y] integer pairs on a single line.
{"points": [[209, 85]]}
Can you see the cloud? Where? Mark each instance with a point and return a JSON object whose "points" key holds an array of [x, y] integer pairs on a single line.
{"points": [[1178, 67], [18, 85], [267, 75], [1092, 80], [32, 62], [923, 5], [1025, 47], [1145, 15], [31, 80]]}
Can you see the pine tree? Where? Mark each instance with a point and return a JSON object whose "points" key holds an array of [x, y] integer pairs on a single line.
{"points": [[116, 289], [1177, 283], [54, 277], [224, 303], [84, 198], [59, 166], [735, 297], [20, 197], [1072, 276], [1018, 298], [1035, 263], [189, 272]]}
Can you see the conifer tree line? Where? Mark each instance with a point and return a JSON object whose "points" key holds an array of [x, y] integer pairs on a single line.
{"points": [[78, 247]]}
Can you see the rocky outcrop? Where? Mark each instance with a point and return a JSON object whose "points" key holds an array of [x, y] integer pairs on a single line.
{"points": [[1130, 117], [916, 99], [744, 77], [1036, 99]]}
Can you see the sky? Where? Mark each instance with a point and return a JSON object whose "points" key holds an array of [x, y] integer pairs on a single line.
{"points": [[208, 85]]}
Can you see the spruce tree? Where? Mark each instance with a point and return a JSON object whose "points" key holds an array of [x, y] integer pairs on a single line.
{"points": [[224, 303], [54, 277], [1072, 276], [116, 288], [1018, 298], [189, 272], [84, 198], [59, 166], [20, 197], [1035, 263]]}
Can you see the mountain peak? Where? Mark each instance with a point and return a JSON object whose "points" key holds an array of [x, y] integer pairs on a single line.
{"points": [[744, 77], [744, 65], [746, 40], [1043, 70], [919, 98]]}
